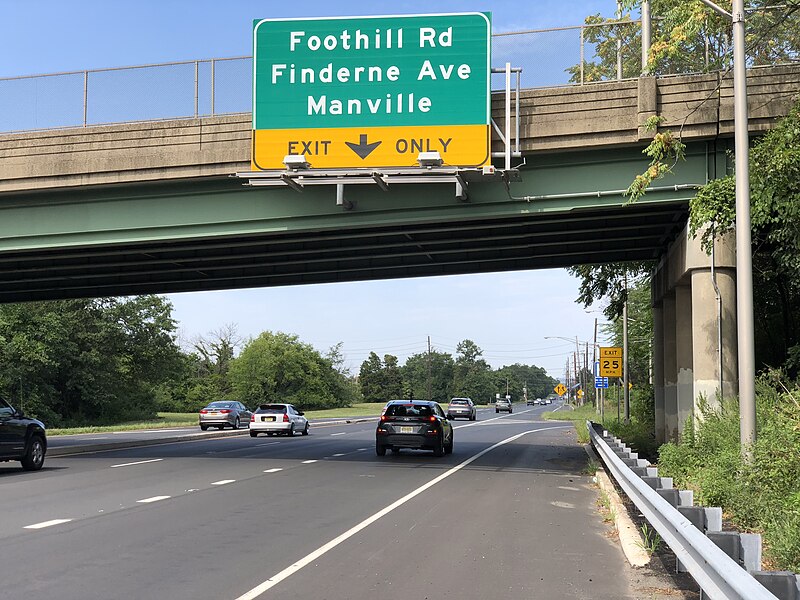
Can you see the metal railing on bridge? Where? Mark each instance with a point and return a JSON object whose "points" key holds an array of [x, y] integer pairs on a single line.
{"points": [[219, 86]]}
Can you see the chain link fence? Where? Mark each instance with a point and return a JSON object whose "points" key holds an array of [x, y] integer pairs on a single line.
{"points": [[177, 90]]}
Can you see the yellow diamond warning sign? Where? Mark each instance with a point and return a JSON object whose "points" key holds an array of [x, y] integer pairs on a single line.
{"points": [[560, 389]]}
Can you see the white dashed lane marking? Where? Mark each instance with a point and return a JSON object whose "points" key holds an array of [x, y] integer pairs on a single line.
{"points": [[272, 470], [44, 524], [308, 462], [223, 481], [141, 462], [153, 499]]}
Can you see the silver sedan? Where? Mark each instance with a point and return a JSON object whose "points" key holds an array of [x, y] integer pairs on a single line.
{"points": [[224, 413]]}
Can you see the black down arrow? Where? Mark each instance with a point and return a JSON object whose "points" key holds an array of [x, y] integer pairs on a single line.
{"points": [[363, 149]]}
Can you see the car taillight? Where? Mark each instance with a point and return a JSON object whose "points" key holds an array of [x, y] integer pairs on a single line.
{"points": [[252, 418], [432, 419], [285, 418], [204, 412], [384, 417], [225, 411]]}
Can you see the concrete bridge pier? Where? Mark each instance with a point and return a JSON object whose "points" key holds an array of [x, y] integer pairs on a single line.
{"points": [[686, 317]]}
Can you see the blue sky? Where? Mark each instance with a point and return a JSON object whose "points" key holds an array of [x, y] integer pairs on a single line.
{"points": [[507, 314]]}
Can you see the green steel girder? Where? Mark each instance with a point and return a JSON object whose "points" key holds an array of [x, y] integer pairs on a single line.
{"points": [[215, 233]]}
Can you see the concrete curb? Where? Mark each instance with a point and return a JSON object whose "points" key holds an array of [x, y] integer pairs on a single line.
{"points": [[69, 450], [630, 538]]}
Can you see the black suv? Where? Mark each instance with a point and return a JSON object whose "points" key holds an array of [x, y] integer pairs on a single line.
{"points": [[21, 438], [419, 424]]}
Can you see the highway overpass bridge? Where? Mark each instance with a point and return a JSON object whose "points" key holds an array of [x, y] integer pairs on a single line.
{"points": [[151, 207]]}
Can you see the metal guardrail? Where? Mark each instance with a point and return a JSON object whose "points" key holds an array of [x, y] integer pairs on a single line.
{"points": [[718, 575]]}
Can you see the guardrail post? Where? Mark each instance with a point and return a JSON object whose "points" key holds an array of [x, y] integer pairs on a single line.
{"points": [[784, 584]]}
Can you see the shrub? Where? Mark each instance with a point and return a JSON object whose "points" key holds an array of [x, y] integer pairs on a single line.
{"points": [[761, 495]]}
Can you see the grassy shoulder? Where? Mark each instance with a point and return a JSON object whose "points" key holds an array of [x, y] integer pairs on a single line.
{"points": [[168, 420], [578, 415]]}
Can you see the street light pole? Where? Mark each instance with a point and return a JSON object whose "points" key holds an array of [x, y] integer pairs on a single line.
{"points": [[744, 256], [625, 375]]}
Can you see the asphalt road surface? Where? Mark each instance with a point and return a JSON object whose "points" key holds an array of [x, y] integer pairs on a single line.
{"points": [[508, 515]]}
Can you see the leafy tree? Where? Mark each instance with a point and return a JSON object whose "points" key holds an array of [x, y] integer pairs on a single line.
{"points": [[609, 282], [472, 376], [775, 212], [415, 374], [392, 377], [518, 375], [216, 352], [278, 367], [371, 379], [87, 361], [640, 332], [688, 37]]}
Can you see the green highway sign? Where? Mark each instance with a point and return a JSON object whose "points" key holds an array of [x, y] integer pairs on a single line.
{"points": [[372, 91]]}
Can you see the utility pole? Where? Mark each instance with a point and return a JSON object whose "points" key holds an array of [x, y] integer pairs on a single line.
{"points": [[586, 372], [744, 248], [626, 391], [430, 395], [575, 366], [647, 35], [619, 41]]}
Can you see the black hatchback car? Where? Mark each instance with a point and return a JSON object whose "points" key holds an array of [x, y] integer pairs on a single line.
{"points": [[417, 424], [21, 438]]}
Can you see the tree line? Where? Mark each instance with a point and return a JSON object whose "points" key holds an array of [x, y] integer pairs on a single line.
{"points": [[111, 360], [440, 376]]}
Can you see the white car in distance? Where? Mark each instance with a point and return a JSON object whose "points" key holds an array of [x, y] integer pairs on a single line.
{"points": [[278, 418]]}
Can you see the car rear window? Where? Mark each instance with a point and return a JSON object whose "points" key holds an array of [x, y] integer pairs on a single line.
{"points": [[458, 401], [221, 405], [409, 410], [271, 408]]}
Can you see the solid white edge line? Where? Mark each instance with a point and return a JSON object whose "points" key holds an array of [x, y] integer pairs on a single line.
{"points": [[308, 559], [141, 462], [153, 499], [44, 524], [224, 481]]}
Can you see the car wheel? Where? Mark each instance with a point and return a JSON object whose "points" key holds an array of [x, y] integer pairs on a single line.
{"points": [[439, 449], [305, 429], [496, 410], [34, 456], [203, 427], [237, 423], [380, 450], [253, 434], [270, 433], [290, 433], [448, 448]]}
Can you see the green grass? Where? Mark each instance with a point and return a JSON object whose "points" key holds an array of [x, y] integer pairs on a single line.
{"points": [[162, 421], [168, 420], [579, 416], [364, 409]]}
